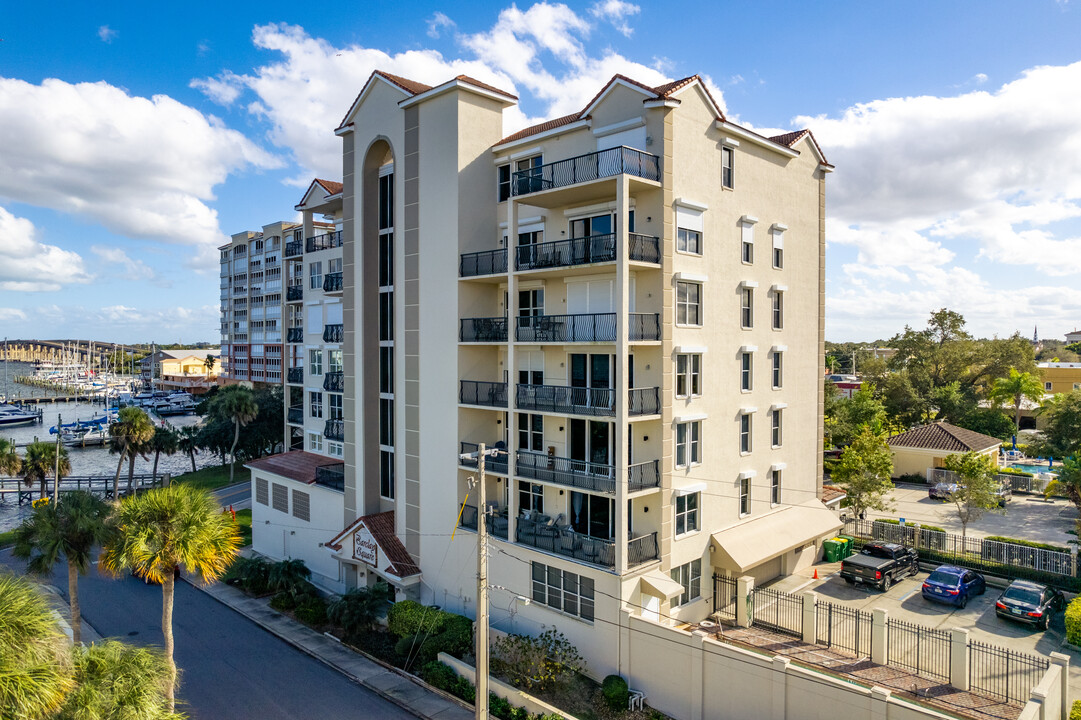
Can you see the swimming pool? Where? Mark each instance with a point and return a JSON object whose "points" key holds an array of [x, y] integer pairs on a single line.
{"points": [[1032, 468]]}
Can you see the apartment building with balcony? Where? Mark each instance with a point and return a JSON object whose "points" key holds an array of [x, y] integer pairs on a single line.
{"points": [[625, 303], [252, 305]]}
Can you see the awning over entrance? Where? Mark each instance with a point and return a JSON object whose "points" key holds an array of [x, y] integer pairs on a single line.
{"points": [[752, 543], [370, 540], [657, 583]]}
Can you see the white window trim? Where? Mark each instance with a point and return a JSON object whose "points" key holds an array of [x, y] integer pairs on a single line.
{"points": [[690, 277], [690, 350], [691, 204], [689, 418], [689, 489], [748, 284]]}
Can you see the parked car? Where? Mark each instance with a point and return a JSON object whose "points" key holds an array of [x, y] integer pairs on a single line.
{"points": [[880, 564], [942, 490], [953, 585], [1030, 603]]}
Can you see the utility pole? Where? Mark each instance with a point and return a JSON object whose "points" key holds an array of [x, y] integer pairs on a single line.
{"points": [[481, 702]]}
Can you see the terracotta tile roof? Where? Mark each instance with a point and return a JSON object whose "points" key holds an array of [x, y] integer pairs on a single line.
{"points": [[943, 436], [410, 86], [669, 88], [832, 493], [485, 86], [541, 127], [395, 559], [332, 188], [791, 138], [296, 465]]}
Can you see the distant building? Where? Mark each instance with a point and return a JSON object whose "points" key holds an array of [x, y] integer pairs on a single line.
{"points": [[1060, 377], [883, 353], [847, 385], [922, 449], [182, 369], [1073, 337]]}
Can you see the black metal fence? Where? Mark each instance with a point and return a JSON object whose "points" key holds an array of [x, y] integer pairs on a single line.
{"points": [[925, 651], [293, 248], [644, 475], [332, 282], [496, 461], [779, 611], [333, 333], [724, 597], [843, 628], [477, 392], [294, 335], [492, 329], [487, 262], [331, 476], [295, 375], [296, 415], [323, 242], [1003, 674], [644, 248], [577, 474], [294, 293], [334, 430], [584, 168], [644, 326], [565, 399]]}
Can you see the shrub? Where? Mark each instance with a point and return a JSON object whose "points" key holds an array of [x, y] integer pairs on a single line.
{"points": [[1075, 711], [616, 692], [1014, 471], [424, 632], [283, 601], [500, 707], [443, 677], [312, 610], [289, 576], [913, 477], [249, 574], [1073, 623], [359, 608], [536, 662], [1026, 543], [892, 521], [408, 617]]}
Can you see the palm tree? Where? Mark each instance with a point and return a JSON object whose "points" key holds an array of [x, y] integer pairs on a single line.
{"points": [[10, 462], [165, 529], [238, 403], [116, 680], [39, 463], [131, 434], [70, 527], [35, 671], [1017, 387], [166, 440], [188, 442]]}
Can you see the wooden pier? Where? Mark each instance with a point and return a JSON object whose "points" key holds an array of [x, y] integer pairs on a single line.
{"points": [[21, 493]]}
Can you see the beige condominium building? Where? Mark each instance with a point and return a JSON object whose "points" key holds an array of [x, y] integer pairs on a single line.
{"points": [[625, 302]]}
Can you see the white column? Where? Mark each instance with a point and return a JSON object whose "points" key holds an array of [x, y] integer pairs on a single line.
{"points": [[622, 370], [512, 371], [1063, 661], [879, 649], [744, 588], [308, 225], [778, 692], [810, 617], [959, 658], [880, 699]]}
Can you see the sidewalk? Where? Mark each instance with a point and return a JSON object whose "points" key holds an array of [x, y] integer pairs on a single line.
{"points": [[393, 686]]}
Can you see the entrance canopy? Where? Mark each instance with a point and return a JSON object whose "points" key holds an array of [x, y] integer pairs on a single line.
{"points": [[659, 584], [370, 540], [744, 546]]}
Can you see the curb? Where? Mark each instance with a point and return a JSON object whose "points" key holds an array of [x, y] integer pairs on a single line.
{"points": [[386, 696]]}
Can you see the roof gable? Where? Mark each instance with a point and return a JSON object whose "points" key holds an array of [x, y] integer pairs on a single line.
{"points": [[407, 87], [944, 437], [790, 139], [389, 554], [318, 192]]}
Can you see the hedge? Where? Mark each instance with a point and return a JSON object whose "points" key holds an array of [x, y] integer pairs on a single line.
{"points": [[891, 521], [1012, 471], [1027, 543], [443, 677], [1073, 625], [425, 631]]}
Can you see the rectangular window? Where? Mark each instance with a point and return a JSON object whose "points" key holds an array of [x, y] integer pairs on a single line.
{"points": [[386, 422], [727, 158], [386, 198], [316, 401], [315, 362], [386, 474], [688, 303], [315, 442], [688, 375], [777, 373], [747, 242], [690, 577], [386, 260], [1047, 386], [688, 447], [775, 487], [315, 271], [744, 496], [261, 491], [502, 182], [530, 432], [689, 241], [775, 427], [334, 360], [746, 309], [530, 497], [778, 309], [529, 175], [386, 316], [335, 449], [563, 591], [334, 265], [745, 432], [778, 249], [686, 513], [386, 369], [301, 506], [279, 497], [334, 407], [746, 377]]}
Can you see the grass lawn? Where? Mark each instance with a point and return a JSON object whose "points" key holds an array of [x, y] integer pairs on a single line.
{"points": [[8, 537], [243, 519], [213, 478]]}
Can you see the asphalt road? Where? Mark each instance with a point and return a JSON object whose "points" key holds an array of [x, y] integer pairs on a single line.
{"points": [[231, 668]]}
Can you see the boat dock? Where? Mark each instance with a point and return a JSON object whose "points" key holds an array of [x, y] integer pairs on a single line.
{"points": [[21, 493]]}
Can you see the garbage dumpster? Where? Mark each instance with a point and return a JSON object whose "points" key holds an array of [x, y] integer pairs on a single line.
{"points": [[833, 550]]}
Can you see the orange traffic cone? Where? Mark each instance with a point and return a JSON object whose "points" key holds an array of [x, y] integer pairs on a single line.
{"points": [[816, 574]]}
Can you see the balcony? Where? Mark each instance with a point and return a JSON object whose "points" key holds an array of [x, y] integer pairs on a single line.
{"points": [[334, 381], [331, 476], [294, 335], [294, 248], [561, 540], [295, 376], [333, 333], [483, 330], [585, 168], [496, 462], [594, 327], [585, 475], [294, 293], [296, 415], [488, 394], [334, 429], [497, 524], [488, 262], [584, 251], [644, 476], [332, 282], [595, 402], [324, 242]]}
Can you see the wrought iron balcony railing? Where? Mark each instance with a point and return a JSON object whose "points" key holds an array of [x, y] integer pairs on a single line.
{"points": [[294, 293], [584, 168], [331, 476], [332, 282], [324, 242], [599, 402], [294, 248], [296, 415], [295, 376], [489, 394], [294, 335], [334, 381], [497, 461], [334, 429], [488, 262], [333, 333], [593, 327], [584, 250], [483, 330], [497, 524]]}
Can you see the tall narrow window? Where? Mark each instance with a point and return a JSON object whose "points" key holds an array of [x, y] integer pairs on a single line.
{"points": [[745, 375], [385, 263], [745, 432], [530, 497], [334, 406], [747, 242], [744, 496], [315, 270], [688, 303], [688, 375], [502, 182], [686, 513], [689, 241], [316, 399], [530, 432], [778, 248], [688, 449], [777, 368], [690, 577], [746, 310], [778, 309], [727, 162], [775, 487], [775, 429]]}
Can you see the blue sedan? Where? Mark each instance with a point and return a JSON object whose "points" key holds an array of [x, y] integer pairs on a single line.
{"points": [[953, 585]]}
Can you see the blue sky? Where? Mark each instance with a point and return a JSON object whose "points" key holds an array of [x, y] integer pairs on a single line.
{"points": [[135, 137]]}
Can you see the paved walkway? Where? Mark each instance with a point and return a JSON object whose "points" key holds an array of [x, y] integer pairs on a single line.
{"points": [[390, 684]]}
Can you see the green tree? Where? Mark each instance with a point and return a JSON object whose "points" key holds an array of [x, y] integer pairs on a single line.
{"points": [[166, 529], [188, 443], [131, 435], [1068, 480], [846, 417], [35, 665], [115, 680], [238, 404], [70, 528], [1016, 388], [988, 421], [39, 463], [165, 440], [976, 487], [1062, 431], [864, 470], [10, 462]]}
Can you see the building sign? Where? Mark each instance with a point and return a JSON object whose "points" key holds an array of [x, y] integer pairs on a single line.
{"points": [[365, 548]]}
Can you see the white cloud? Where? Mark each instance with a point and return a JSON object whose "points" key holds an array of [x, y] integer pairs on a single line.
{"points": [[28, 265], [437, 22], [141, 167], [616, 12], [224, 89], [116, 262], [979, 78], [11, 314], [106, 33]]}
